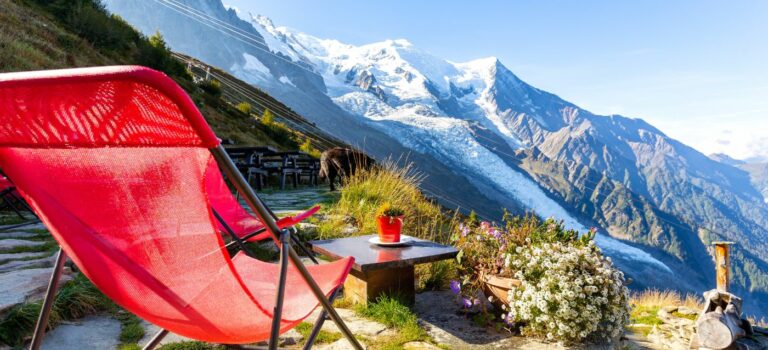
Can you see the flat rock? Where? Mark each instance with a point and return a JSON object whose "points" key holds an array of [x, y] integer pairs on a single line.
{"points": [[357, 324], [19, 234], [21, 285], [289, 338], [7, 244], [341, 344], [150, 330], [28, 264], [687, 311], [35, 226], [419, 345], [21, 256], [91, 332], [307, 228]]}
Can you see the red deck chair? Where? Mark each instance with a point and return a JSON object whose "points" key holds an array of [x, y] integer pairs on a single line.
{"points": [[235, 221], [113, 161]]}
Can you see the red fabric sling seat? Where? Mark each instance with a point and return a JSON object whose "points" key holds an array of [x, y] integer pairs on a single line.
{"points": [[240, 221], [114, 162], [5, 184]]}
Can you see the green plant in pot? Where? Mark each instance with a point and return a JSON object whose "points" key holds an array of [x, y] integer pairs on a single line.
{"points": [[389, 222]]}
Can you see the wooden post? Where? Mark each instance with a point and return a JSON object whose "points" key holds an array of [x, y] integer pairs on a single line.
{"points": [[722, 265]]}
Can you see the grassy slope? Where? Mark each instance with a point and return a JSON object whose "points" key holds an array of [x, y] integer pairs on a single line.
{"points": [[34, 37]]}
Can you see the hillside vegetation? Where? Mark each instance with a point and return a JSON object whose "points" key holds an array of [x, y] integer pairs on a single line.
{"points": [[41, 34]]}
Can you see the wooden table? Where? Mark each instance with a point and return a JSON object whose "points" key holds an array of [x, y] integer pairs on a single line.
{"points": [[382, 270]]}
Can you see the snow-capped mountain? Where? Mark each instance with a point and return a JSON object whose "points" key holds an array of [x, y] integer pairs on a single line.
{"points": [[487, 139]]}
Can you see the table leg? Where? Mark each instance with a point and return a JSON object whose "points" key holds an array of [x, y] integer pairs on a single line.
{"points": [[365, 287]]}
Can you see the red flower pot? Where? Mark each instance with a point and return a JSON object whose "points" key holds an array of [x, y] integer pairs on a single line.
{"points": [[389, 228]]}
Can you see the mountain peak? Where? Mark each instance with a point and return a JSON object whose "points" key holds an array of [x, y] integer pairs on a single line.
{"points": [[399, 42], [263, 21], [726, 159]]}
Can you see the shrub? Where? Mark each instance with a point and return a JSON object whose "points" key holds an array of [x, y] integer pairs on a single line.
{"points": [[569, 291], [277, 131], [307, 148], [154, 53], [366, 190], [211, 87], [244, 107], [267, 118]]}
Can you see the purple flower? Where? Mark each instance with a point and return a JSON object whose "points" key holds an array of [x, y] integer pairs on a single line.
{"points": [[508, 319], [455, 287], [464, 230], [467, 303]]}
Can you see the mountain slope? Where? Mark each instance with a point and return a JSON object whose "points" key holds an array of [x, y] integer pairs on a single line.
{"points": [[486, 138]]}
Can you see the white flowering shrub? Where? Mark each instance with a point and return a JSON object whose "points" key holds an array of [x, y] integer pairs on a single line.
{"points": [[569, 293]]}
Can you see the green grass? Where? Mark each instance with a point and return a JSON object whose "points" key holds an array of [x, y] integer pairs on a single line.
{"points": [[645, 315], [391, 312], [323, 337], [645, 330], [131, 330], [686, 316], [436, 275], [191, 345], [12, 220], [366, 191], [129, 347], [38, 230]]}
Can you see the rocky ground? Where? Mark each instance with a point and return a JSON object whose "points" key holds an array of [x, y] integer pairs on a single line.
{"points": [[27, 257], [675, 331]]}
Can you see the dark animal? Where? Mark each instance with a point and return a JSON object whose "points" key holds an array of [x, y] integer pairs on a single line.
{"points": [[342, 162]]}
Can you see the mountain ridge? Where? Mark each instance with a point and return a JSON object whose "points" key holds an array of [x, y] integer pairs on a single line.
{"points": [[518, 146]]}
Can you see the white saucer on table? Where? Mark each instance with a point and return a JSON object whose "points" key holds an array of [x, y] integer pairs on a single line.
{"points": [[404, 240]]}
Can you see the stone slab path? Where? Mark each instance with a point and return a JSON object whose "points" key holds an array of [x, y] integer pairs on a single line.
{"points": [[11, 243], [91, 332], [293, 200]]}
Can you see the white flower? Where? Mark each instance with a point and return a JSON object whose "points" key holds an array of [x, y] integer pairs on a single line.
{"points": [[562, 300]]}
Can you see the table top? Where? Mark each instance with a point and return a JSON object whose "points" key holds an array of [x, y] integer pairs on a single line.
{"points": [[370, 256]]}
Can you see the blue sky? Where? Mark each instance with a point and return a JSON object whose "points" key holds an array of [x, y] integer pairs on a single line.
{"points": [[698, 70]]}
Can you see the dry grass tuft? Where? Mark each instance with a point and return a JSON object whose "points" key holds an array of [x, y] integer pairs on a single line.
{"points": [[364, 192], [662, 298]]}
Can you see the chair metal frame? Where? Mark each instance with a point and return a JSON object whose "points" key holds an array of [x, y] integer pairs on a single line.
{"points": [[287, 254], [9, 199]]}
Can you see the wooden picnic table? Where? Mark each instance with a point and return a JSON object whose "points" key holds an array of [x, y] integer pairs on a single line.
{"points": [[245, 152], [259, 162], [382, 270], [290, 164]]}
